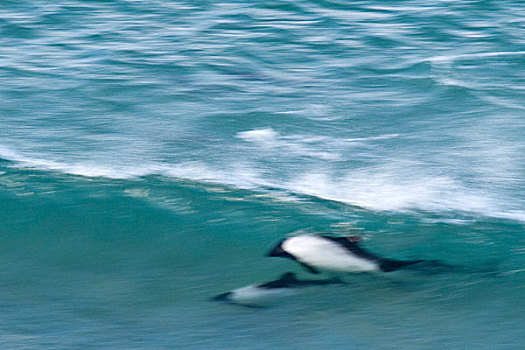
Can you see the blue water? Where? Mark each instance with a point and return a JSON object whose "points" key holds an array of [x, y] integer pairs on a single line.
{"points": [[152, 152]]}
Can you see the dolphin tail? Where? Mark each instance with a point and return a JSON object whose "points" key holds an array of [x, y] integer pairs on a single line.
{"points": [[337, 280], [393, 265]]}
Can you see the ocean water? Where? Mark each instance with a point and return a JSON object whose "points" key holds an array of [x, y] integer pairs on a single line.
{"points": [[152, 152]]}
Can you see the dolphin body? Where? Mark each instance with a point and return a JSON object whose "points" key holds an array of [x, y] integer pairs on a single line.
{"points": [[286, 284], [342, 254]]}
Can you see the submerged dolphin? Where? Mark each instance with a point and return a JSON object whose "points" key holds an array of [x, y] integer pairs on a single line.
{"points": [[336, 254], [284, 285]]}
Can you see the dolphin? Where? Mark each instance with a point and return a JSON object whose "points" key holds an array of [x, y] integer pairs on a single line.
{"points": [[342, 254], [286, 284]]}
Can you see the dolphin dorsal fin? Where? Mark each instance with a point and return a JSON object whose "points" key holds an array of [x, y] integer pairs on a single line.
{"points": [[349, 242]]}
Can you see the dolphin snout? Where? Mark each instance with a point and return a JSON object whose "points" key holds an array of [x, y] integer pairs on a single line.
{"points": [[279, 251], [222, 297]]}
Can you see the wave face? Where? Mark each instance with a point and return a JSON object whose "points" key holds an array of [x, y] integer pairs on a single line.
{"points": [[151, 151]]}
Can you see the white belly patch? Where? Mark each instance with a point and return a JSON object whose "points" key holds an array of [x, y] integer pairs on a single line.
{"points": [[325, 254]]}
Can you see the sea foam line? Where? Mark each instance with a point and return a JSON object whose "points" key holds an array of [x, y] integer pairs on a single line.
{"points": [[381, 189], [303, 145], [448, 58], [270, 139]]}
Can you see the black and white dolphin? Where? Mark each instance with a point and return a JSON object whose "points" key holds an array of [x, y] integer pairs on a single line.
{"points": [[343, 254], [284, 285]]}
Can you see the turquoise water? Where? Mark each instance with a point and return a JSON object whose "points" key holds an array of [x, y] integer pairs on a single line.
{"points": [[151, 153]]}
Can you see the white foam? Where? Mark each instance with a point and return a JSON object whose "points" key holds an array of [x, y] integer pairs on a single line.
{"points": [[501, 101], [389, 187], [266, 136], [9, 154], [450, 58], [371, 190], [373, 138], [393, 189], [87, 168], [238, 175], [516, 215], [270, 140]]}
